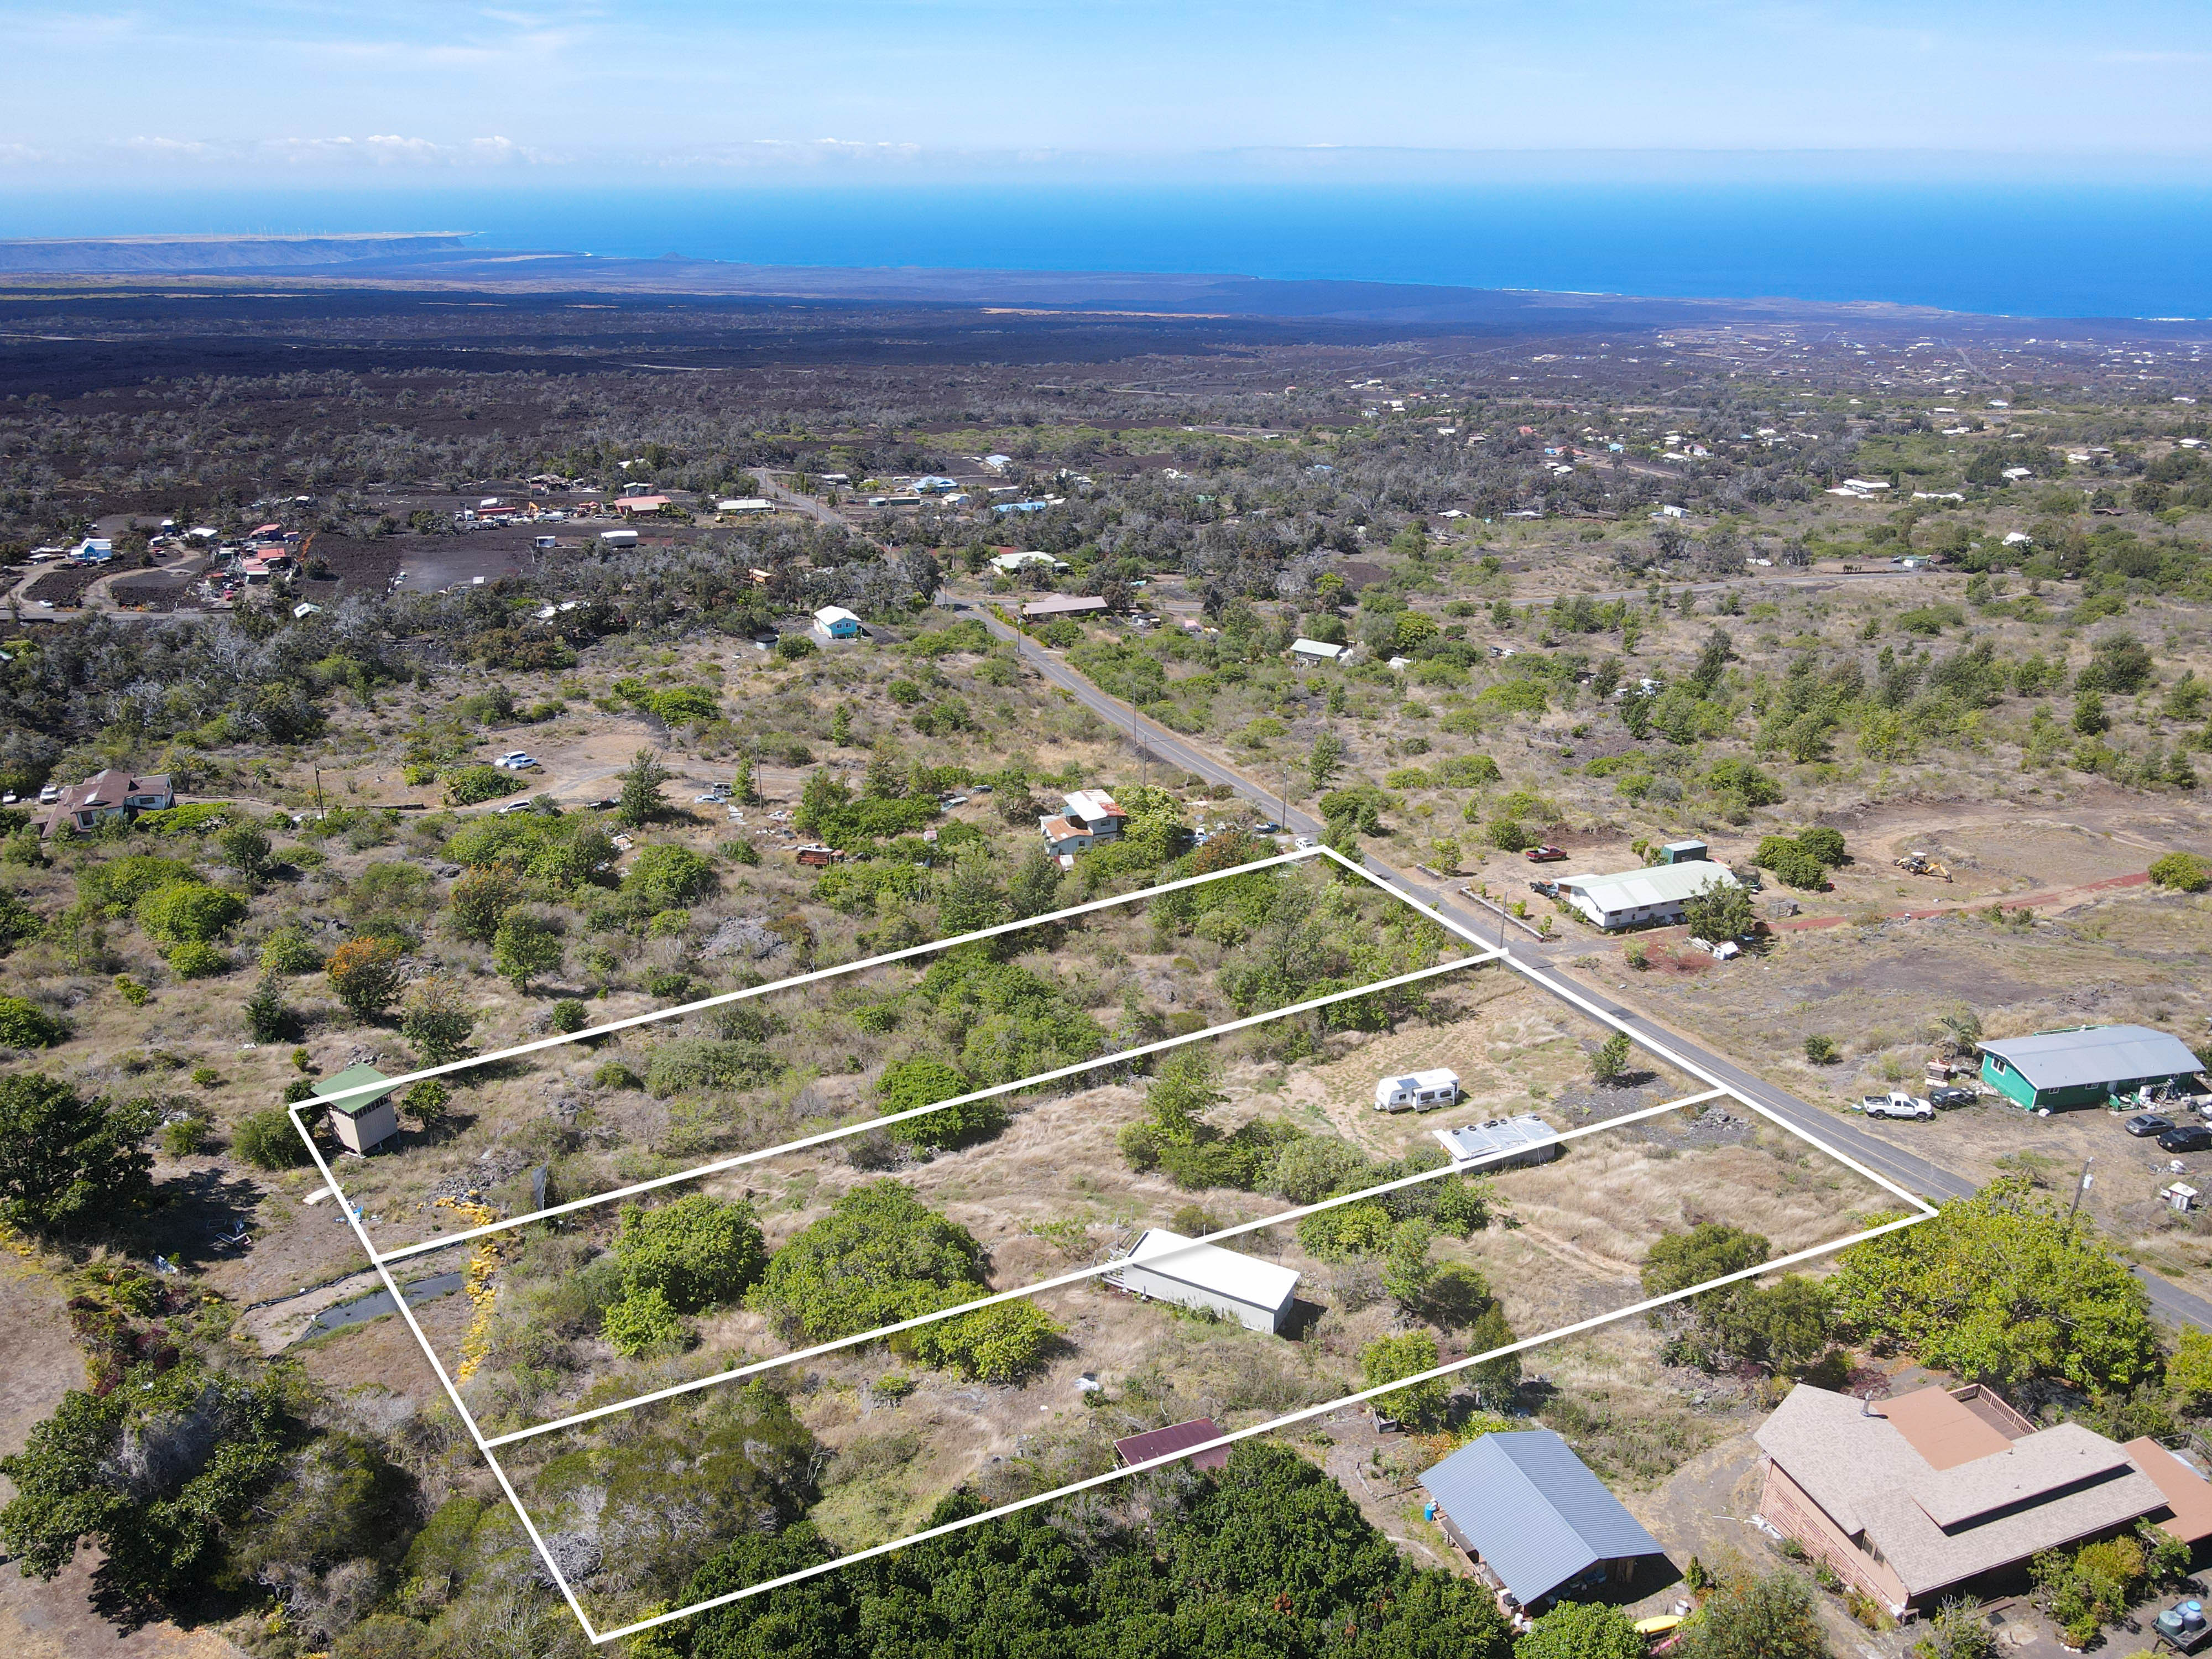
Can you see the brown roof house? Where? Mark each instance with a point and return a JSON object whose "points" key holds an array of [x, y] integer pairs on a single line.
{"points": [[112, 793], [1941, 1492]]}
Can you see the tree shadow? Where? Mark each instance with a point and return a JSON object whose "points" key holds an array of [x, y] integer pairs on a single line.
{"points": [[194, 1209]]}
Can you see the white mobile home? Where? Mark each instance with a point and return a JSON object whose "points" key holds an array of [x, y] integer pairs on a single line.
{"points": [[1417, 1092], [1169, 1268], [1319, 650]]}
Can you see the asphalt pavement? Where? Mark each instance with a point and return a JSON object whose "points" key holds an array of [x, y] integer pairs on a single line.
{"points": [[1907, 1169]]}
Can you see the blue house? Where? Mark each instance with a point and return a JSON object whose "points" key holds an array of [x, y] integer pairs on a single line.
{"points": [[834, 622], [1531, 1514]]}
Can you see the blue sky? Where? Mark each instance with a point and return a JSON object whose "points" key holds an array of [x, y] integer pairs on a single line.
{"points": [[261, 93]]}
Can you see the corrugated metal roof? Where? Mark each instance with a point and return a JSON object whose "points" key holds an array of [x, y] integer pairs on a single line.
{"points": [[1176, 1437], [1636, 889], [2100, 1053], [1209, 1268], [1534, 1511]]}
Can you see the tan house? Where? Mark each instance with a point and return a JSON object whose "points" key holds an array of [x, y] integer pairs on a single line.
{"points": [[1942, 1491], [112, 793]]}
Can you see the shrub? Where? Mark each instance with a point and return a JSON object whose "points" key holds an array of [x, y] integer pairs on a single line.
{"points": [[131, 991], [2186, 873], [1791, 862], [1349, 1230], [267, 1019], [613, 1074], [568, 1016], [467, 785], [922, 1081], [193, 960], [189, 911], [879, 1257], [267, 1140], [684, 1063], [426, 1102], [1610, 1063], [641, 1322], [1389, 1358], [1826, 843], [68, 1159], [183, 1137], [1582, 1630], [437, 1023], [1004, 1343], [665, 876], [524, 948], [792, 648], [1822, 1050], [287, 952], [26, 1026], [206, 1076], [695, 1253]]}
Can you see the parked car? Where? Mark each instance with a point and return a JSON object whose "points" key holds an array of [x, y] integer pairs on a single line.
{"points": [[514, 806], [1543, 855], [1897, 1103], [2191, 1137], [1946, 1097], [2145, 1124], [516, 760], [1726, 951], [1303, 840], [606, 805]]}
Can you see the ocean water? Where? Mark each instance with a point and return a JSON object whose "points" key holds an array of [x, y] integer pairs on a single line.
{"points": [[2071, 252]]}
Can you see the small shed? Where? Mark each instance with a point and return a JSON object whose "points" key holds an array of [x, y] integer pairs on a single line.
{"points": [[834, 622], [1319, 650], [2087, 1065], [1502, 1142], [1417, 1092], [618, 538], [1169, 1268], [1684, 852], [744, 504], [1525, 1507], [1134, 1449], [360, 1121]]}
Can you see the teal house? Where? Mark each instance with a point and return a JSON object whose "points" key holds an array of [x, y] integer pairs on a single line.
{"points": [[2086, 1066]]}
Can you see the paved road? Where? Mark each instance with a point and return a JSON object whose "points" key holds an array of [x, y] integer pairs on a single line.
{"points": [[1908, 1170]]}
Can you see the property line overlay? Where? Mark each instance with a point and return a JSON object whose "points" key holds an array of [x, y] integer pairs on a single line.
{"points": [[1918, 1211], [1098, 1063], [1077, 1276]]}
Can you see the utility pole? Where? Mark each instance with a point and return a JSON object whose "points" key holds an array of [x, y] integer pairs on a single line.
{"points": [[321, 816], [2080, 1188]]}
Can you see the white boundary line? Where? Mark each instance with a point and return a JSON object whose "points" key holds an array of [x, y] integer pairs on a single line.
{"points": [[1098, 1063], [1286, 1421], [1076, 1277], [1921, 1212]]}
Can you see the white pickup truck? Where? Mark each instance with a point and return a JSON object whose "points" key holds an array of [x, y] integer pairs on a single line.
{"points": [[1896, 1103]]}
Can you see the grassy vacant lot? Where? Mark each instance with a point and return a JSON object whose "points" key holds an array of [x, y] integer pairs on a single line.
{"points": [[895, 1437]]}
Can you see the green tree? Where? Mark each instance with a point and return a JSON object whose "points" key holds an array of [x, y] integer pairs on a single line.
{"points": [[436, 1020], [246, 850], [2089, 717], [481, 899], [1495, 1380], [1958, 1630], [1389, 1358], [366, 975], [880, 1255], [1034, 888], [70, 1163], [1822, 1050], [267, 1018], [638, 801], [1325, 761], [2188, 1371], [24, 1024], [970, 898], [1745, 1617], [1719, 910], [665, 877], [1824, 843], [2002, 1288], [840, 726], [1582, 1630], [696, 1252], [1610, 1065], [206, 1446], [524, 948]]}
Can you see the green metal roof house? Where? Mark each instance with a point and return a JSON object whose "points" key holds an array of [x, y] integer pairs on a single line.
{"points": [[2084, 1067]]}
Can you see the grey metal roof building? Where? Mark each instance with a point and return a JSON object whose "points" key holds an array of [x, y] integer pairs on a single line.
{"points": [[2086, 1065], [1502, 1142], [1534, 1515]]}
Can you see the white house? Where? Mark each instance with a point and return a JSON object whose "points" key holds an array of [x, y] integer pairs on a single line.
{"points": [[1011, 564], [834, 622], [1319, 650], [1095, 812], [1168, 1268], [1655, 894], [1417, 1091], [1062, 839]]}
